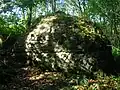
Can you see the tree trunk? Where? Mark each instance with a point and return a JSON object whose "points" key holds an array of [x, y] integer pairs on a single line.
{"points": [[23, 14], [47, 6], [80, 6], [29, 17], [53, 6]]}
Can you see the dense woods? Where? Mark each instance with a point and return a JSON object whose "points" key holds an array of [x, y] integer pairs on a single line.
{"points": [[98, 22], [18, 15]]}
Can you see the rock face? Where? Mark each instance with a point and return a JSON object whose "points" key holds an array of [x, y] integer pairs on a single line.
{"points": [[68, 44]]}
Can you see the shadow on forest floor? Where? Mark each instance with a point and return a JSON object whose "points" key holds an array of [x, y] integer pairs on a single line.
{"points": [[18, 76], [117, 60]]}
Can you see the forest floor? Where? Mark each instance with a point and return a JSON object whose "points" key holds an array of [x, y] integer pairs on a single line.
{"points": [[25, 77], [31, 78]]}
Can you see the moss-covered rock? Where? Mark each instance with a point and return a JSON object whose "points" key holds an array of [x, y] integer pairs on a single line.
{"points": [[69, 44]]}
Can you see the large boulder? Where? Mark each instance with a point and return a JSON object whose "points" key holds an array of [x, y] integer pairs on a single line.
{"points": [[69, 44]]}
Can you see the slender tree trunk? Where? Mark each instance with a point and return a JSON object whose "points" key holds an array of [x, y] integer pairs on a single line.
{"points": [[47, 6], [79, 3], [29, 17], [23, 14], [73, 11], [53, 6]]}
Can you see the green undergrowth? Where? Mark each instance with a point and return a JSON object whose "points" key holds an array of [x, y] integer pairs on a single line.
{"points": [[58, 81], [115, 51], [76, 82], [102, 83]]}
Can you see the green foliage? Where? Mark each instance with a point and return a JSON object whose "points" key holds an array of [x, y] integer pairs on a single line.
{"points": [[2, 24], [115, 51], [107, 13], [6, 6], [103, 83], [8, 28]]}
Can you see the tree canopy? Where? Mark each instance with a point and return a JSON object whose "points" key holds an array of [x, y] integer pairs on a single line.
{"points": [[18, 17]]}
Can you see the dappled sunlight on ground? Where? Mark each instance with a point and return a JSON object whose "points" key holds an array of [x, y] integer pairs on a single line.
{"points": [[36, 80], [31, 78], [46, 75]]}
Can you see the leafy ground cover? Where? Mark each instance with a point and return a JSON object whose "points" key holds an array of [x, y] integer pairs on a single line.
{"points": [[33, 79]]}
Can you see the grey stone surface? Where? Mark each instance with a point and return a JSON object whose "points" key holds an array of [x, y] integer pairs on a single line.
{"points": [[67, 44]]}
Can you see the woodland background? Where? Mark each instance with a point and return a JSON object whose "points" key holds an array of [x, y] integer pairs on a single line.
{"points": [[17, 16]]}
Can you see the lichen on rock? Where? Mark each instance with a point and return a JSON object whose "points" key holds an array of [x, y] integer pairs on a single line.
{"points": [[68, 44]]}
